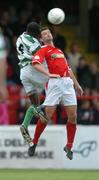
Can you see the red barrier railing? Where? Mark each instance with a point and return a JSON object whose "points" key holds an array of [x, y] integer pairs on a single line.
{"points": [[17, 97], [87, 97]]}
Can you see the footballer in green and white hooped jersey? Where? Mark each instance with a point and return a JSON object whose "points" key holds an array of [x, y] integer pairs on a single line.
{"points": [[27, 44], [31, 79]]}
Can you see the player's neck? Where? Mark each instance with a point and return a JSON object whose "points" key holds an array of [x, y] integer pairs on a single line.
{"points": [[50, 43]]}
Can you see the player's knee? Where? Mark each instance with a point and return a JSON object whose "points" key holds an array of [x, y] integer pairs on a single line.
{"points": [[73, 117], [49, 112], [49, 115]]}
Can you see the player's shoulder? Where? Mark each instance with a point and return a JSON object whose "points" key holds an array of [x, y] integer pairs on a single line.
{"points": [[29, 38], [43, 46]]}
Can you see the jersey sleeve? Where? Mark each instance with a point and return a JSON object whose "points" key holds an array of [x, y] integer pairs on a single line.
{"points": [[39, 57]]}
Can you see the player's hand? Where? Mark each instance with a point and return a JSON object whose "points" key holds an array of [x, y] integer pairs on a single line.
{"points": [[54, 75], [79, 90]]}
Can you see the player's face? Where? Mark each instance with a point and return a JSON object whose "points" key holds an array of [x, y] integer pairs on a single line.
{"points": [[46, 36]]}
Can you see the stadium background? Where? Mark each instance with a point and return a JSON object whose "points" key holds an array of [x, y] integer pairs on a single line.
{"points": [[80, 29]]}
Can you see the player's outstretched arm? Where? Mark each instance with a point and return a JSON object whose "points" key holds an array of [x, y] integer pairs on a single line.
{"points": [[40, 68]]}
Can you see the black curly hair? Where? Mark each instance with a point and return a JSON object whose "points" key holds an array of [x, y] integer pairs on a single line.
{"points": [[33, 29]]}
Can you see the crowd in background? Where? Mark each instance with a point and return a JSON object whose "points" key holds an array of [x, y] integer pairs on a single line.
{"points": [[13, 22]]}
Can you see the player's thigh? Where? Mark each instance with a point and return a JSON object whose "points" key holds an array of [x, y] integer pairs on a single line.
{"points": [[29, 81], [28, 86], [53, 93], [31, 86], [69, 97]]}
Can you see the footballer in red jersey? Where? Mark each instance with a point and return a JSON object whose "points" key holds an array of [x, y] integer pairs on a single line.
{"points": [[60, 89]]}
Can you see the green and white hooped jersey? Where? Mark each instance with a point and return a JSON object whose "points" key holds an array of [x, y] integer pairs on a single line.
{"points": [[26, 46]]}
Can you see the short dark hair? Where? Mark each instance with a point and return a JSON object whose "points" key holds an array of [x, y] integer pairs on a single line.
{"points": [[33, 29], [44, 28]]}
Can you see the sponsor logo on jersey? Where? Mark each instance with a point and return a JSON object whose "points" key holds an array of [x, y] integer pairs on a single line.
{"points": [[59, 55]]}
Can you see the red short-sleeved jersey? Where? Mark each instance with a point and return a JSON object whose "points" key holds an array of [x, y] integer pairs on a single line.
{"points": [[56, 61]]}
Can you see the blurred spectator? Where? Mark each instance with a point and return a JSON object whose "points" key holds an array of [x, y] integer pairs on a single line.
{"points": [[3, 90], [83, 73], [13, 73], [85, 113], [73, 56], [94, 76], [88, 74], [5, 24]]}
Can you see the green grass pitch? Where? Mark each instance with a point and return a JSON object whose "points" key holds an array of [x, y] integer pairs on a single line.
{"points": [[15, 174]]}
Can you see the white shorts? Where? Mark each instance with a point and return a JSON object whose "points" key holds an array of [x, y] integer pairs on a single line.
{"points": [[32, 80], [60, 90]]}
